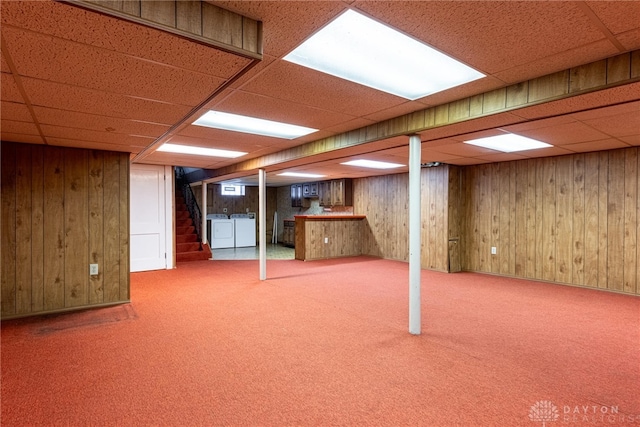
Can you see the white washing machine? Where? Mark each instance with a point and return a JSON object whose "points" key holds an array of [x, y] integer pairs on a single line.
{"points": [[245, 229], [220, 231]]}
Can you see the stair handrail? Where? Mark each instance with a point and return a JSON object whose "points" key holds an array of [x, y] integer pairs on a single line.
{"points": [[191, 202]]}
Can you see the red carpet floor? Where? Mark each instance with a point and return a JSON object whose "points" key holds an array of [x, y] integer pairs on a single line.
{"points": [[326, 343]]}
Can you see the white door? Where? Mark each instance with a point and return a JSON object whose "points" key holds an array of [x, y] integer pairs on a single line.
{"points": [[148, 219]]}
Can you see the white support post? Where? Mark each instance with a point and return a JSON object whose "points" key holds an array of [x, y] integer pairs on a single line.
{"points": [[262, 214], [204, 213], [414, 235]]}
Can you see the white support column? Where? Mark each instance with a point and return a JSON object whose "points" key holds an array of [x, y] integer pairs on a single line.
{"points": [[204, 212], [262, 214], [414, 235]]}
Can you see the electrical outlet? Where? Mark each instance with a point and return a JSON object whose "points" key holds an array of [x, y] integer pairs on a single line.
{"points": [[224, 210], [93, 269], [326, 240], [493, 250]]}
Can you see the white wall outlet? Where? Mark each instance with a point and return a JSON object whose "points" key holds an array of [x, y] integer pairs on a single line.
{"points": [[326, 240], [93, 269], [493, 250]]}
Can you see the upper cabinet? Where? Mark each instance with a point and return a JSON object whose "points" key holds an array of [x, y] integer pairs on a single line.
{"points": [[310, 189], [337, 192]]}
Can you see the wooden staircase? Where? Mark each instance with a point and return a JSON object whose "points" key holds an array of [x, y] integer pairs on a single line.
{"points": [[188, 247]]}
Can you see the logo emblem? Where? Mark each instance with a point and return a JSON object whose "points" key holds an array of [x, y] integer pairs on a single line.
{"points": [[543, 411]]}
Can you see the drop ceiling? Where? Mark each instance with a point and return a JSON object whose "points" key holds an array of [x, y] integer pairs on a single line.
{"points": [[76, 78]]}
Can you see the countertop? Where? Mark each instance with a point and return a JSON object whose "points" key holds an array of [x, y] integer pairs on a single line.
{"points": [[329, 217]]}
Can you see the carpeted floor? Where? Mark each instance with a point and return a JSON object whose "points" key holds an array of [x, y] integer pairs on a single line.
{"points": [[326, 343]]}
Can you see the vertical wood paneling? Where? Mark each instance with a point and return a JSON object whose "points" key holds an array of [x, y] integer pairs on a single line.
{"points": [[580, 215], [591, 219], [96, 225], [54, 199], [603, 185], [111, 228], [531, 224], [76, 223], [8, 271], [578, 220], [123, 225], [630, 245], [494, 201], [615, 229], [54, 236], [23, 229], [520, 247], [37, 228], [549, 219], [564, 219]]}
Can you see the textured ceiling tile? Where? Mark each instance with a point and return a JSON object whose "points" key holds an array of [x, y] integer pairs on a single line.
{"points": [[102, 31], [586, 147], [569, 133], [502, 157], [482, 34], [71, 98], [15, 137], [614, 110], [325, 92], [58, 60], [94, 145], [281, 110], [24, 128], [4, 67], [557, 62], [69, 133], [463, 150], [621, 125], [9, 90], [617, 16], [15, 111], [94, 122]]}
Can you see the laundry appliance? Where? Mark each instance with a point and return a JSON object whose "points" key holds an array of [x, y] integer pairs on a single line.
{"points": [[220, 231]]}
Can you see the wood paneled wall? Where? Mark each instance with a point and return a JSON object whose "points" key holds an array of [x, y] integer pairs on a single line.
{"points": [[385, 202], [571, 219], [63, 209]]}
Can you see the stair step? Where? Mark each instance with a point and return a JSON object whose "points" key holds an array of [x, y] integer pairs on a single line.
{"points": [[186, 238], [184, 222], [192, 256], [185, 230], [182, 214], [187, 247]]}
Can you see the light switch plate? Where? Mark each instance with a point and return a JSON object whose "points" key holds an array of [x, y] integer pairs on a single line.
{"points": [[93, 269]]}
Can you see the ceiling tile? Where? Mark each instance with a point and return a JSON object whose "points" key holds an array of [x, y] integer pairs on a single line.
{"points": [[569, 133], [25, 128], [16, 137], [76, 64], [10, 91], [606, 144], [65, 97], [621, 125], [15, 111]]}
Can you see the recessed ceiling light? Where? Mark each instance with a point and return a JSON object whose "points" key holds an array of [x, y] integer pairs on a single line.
{"points": [[199, 151], [372, 164], [359, 49], [508, 143], [238, 123], [301, 175]]}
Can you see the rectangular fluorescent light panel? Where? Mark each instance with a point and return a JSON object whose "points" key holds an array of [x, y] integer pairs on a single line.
{"points": [[357, 48], [508, 143], [199, 151], [253, 125], [374, 164], [301, 175]]}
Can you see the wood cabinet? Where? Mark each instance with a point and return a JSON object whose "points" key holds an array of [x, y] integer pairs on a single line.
{"points": [[289, 233], [296, 195], [337, 192], [310, 189]]}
